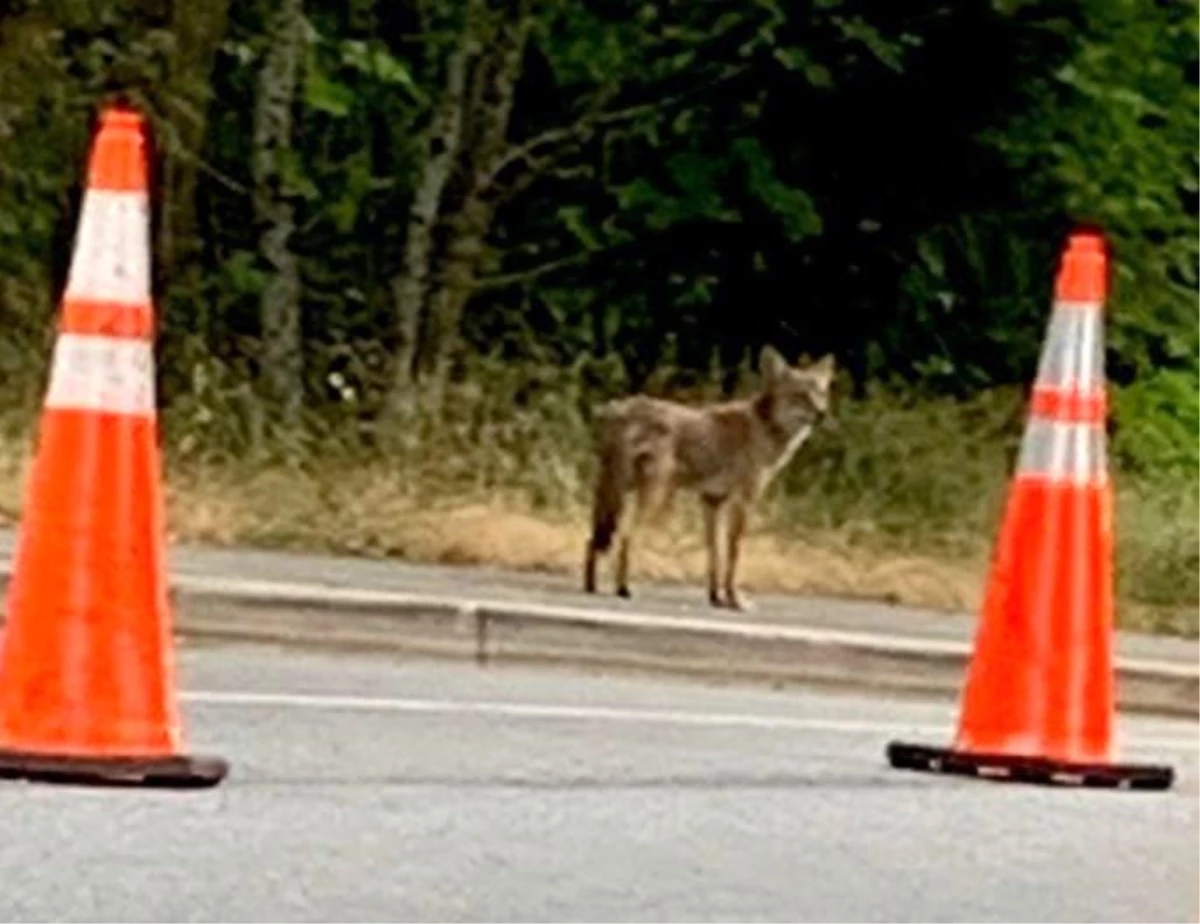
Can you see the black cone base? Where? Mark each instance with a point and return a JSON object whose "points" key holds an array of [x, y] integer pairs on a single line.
{"points": [[1021, 769], [169, 772]]}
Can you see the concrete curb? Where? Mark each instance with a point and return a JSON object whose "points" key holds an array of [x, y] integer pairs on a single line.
{"points": [[490, 632]]}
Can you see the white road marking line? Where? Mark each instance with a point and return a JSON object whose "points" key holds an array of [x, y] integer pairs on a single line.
{"points": [[613, 714]]}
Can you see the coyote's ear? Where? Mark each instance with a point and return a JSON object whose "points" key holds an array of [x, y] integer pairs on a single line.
{"points": [[771, 363], [822, 369]]}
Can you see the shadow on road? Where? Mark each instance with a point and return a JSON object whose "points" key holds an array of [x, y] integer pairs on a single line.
{"points": [[557, 783]]}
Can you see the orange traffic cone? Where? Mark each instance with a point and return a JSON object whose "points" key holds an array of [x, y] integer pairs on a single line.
{"points": [[1038, 703], [86, 660]]}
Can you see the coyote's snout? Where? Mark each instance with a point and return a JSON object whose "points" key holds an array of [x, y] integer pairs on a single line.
{"points": [[726, 452]]}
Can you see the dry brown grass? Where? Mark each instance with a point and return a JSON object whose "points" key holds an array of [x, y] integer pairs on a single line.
{"points": [[372, 513], [378, 513]]}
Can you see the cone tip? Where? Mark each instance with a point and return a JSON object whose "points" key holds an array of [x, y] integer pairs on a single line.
{"points": [[1083, 272], [1086, 241], [119, 150], [120, 115]]}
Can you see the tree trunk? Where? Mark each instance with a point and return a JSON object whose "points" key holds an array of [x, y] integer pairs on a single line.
{"points": [[492, 97], [282, 357], [198, 29], [442, 142]]}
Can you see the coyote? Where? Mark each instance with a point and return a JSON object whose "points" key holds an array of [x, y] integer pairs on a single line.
{"points": [[727, 453]]}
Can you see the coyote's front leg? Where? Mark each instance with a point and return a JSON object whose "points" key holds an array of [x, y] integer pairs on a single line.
{"points": [[739, 514], [715, 527]]}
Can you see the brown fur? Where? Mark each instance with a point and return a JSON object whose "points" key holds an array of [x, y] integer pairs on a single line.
{"points": [[727, 453]]}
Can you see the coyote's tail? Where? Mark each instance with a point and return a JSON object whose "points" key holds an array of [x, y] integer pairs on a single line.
{"points": [[609, 497]]}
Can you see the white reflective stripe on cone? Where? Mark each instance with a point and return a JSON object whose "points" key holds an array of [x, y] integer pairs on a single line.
{"points": [[1071, 452], [111, 259], [1073, 355], [104, 374]]}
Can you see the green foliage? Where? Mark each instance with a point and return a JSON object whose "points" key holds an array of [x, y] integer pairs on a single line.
{"points": [[1159, 419], [1110, 139], [912, 196]]}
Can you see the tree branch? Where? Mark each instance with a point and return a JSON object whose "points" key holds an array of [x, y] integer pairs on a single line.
{"points": [[521, 277], [582, 128], [579, 131], [538, 169], [205, 167]]}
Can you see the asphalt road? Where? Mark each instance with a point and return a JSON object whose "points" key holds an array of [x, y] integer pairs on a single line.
{"points": [[381, 790]]}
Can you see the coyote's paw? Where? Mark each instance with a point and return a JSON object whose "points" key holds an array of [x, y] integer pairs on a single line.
{"points": [[731, 601], [740, 603]]}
